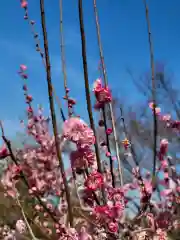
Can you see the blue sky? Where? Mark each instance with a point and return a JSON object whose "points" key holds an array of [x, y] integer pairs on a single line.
{"points": [[124, 37]]}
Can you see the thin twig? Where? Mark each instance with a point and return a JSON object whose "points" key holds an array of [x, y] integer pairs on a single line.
{"points": [[38, 49], [63, 57], [53, 115], [45, 236], [25, 219], [153, 87], [110, 105]]}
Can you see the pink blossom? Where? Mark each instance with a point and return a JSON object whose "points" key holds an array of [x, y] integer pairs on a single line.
{"points": [[40, 166], [22, 66], [109, 131], [77, 131], [83, 157], [164, 164], [94, 181], [151, 105], [148, 186], [24, 3], [33, 22], [157, 110], [103, 94], [4, 152], [116, 194], [21, 226], [166, 117], [108, 154], [113, 227], [163, 149]]}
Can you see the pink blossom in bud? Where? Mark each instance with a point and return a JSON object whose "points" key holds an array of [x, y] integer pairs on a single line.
{"points": [[166, 175], [23, 67], [29, 110], [38, 208], [163, 146], [25, 87], [49, 206], [58, 231], [4, 152], [71, 101], [113, 227], [56, 225], [77, 131], [166, 117], [157, 110], [45, 223], [29, 98], [151, 105], [103, 94], [109, 131], [34, 189], [108, 154], [24, 4], [33, 22], [30, 191], [94, 181], [164, 164], [21, 226]]}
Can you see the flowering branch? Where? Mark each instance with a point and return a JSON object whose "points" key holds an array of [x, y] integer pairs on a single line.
{"points": [[24, 5], [110, 105], [98, 207], [86, 81], [15, 160]]}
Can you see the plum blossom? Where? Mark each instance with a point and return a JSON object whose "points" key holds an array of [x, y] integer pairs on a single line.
{"points": [[77, 131], [21, 226], [102, 94], [4, 152], [94, 181]]}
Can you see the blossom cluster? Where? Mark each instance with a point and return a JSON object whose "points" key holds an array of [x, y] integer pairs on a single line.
{"points": [[107, 205], [100, 205]]}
